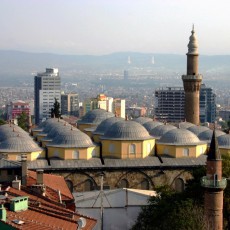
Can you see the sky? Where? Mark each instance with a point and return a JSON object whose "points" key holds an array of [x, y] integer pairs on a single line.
{"points": [[98, 27]]}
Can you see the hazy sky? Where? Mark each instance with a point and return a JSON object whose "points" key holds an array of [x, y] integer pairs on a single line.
{"points": [[106, 26]]}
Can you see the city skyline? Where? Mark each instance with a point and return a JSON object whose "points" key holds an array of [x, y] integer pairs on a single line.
{"points": [[103, 27]]}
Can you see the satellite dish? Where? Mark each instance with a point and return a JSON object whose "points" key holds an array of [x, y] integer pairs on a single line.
{"points": [[81, 223]]}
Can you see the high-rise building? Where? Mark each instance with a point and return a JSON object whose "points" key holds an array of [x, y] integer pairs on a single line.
{"points": [[47, 87], [207, 104], [192, 81], [69, 104], [170, 104]]}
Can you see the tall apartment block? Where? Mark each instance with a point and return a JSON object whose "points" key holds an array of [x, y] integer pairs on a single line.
{"points": [[170, 104], [192, 81], [69, 104], [47, 87]]}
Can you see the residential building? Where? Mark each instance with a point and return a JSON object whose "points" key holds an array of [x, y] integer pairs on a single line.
{"points": [[225, 114], [135, 112], [15, 108], [69, 104], [47, 87]]}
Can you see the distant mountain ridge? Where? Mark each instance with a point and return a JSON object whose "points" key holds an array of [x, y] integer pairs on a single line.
{"points": [[24, 63]]}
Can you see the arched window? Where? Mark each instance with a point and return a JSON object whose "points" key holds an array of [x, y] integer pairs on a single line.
{"points": [[179, 185], [88, 185], [19, 157], [124, 183], [132, 149], [56, 153], [70, 185], [75, 154], [111, 148], [145, 184], [148, 148], [186, 152]]}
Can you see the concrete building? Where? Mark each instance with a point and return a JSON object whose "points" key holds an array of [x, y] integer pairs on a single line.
{"points": [[15, 108], [120, 206], [170, 104], [135, 112], [114, 105], [225, 114], [192, 81], [47, 87], [69, 104]]}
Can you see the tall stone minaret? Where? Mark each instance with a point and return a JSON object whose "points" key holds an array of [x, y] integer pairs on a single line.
{"points": [[192, 81], [214, 185]]}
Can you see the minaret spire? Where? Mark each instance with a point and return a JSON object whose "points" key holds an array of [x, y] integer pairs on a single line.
{"points": [[192, 81]]}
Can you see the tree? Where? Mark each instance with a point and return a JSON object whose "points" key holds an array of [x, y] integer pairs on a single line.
{"points": [[2, 122], [23, 121], [55, 111]]}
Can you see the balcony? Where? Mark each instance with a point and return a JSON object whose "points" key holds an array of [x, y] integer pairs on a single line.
{"points": [[209, 183]]}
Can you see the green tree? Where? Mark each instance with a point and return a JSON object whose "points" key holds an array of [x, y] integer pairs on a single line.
{"points": [[2, 122], [55, 111], [23, 121]]}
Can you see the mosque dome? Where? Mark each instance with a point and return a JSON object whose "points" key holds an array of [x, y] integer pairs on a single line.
{"points": [[7, 133], [71, 138], [142, 120], [95, 116], [151, 125], [19, 144], [104, 125], [224, 141], [185, 125], [179, 137], [197, 129], [160, 130], [207, 135], [56, 130], [126, 130]]}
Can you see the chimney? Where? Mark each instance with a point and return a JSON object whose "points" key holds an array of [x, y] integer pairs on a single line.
{"points": [[16, 183], [40, 180], [24, 169], [2, 213], [59, 196]]}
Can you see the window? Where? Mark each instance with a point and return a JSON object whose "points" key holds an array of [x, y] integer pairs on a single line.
{"points": [[148, 148], [186, 152], [124, 183], [145, 184], [18, 157], [166, 151], [88, 185], [179, 185], [56, 153], [132, 149], [75, 154], [111, 148]]}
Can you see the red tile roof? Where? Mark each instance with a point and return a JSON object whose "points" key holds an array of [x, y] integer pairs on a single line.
{"points": [[52, 183], [43, 214]]}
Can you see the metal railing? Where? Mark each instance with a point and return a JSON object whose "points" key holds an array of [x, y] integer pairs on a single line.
{"points": [[210, 183]]}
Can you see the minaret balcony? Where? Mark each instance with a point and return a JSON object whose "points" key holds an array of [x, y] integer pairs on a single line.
{"points": [[210, 183]]}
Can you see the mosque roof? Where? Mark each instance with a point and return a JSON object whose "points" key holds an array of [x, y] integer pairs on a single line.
{"points": [[207, 135], [185, 125], [142, 120], [160, 130], [19, 144], [71, 138], [126, 130], [103, 127], [224, 141], [95, 116], [198, 129], [7, 133], [151, 125], [46, 123], [179, 137]]}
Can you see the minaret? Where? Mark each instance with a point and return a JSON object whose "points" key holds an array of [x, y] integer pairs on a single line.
{"points": [[192, 81], [214, 185]]}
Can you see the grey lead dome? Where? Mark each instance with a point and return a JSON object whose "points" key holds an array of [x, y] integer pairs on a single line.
{"points": [[126, 130], [179, 137]]}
